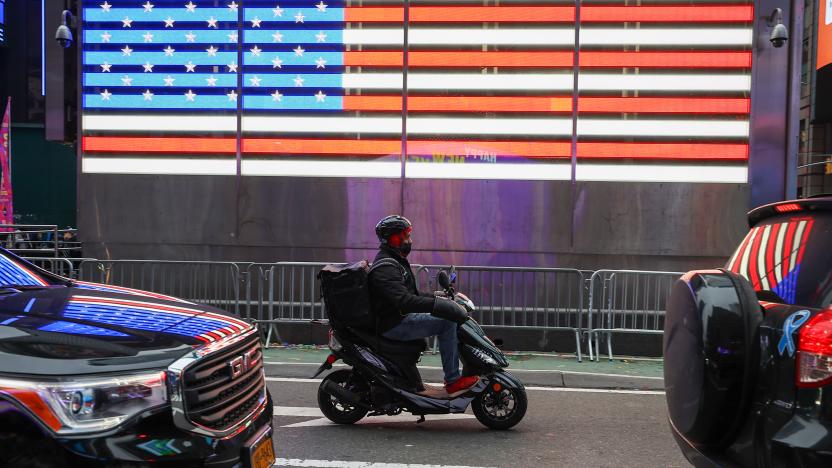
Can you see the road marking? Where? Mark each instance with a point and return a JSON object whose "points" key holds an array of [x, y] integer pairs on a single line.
{"points": [[354, 464], [517, 371], [537, 389], [303, 411]]}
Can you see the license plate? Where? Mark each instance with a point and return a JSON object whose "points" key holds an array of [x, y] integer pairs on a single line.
{"points": [[262, 455]]}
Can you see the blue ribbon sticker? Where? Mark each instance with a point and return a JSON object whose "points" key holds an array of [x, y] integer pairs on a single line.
{"points": [[791, 325]]}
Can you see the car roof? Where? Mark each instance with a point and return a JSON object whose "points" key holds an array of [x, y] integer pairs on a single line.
{"points": [[803, 205]]}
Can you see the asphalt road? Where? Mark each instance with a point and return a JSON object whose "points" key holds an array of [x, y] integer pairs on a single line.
{"points": [[563, 427]]}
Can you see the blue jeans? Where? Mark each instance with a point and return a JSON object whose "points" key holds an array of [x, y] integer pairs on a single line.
{"points": [[415, 326]]}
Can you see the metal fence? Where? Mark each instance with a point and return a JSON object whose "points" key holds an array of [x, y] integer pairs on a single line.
{"points": [[588, 305], [626, 301], [212, 283]]}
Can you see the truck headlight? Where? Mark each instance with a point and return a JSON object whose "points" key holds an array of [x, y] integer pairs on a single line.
{"points": [[89, 404]]}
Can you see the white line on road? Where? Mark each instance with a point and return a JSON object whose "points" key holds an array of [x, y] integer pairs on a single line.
{"points": [[517, 371], [540, 389], [354, 464], [302, 411]]}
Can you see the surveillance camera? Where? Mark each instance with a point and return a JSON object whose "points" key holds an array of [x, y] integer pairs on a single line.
{"points": [[63, 36], [779, 35]]}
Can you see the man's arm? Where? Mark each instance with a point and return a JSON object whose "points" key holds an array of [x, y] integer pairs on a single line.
{"points": [[387, 281]]}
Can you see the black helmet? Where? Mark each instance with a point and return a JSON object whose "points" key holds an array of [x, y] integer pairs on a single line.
{"points": [[390, 225]]}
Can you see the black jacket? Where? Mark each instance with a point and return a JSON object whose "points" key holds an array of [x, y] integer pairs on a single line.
{"points": [[393, 292]]}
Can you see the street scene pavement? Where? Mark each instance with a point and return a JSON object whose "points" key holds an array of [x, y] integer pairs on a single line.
{"points": [[580, 414]]}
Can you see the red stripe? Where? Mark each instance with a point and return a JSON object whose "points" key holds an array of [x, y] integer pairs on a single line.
{"points": [[722, 59], [753, 275], [531, 149], [462, 14], [460, 103], [555, 14], [675, 151], [668, 14], [159, 145], [788, 248], [665, 105], [772, 245]]}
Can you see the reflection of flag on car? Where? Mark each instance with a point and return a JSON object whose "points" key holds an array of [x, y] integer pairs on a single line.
{"points": [[320, 85], [770, 256], [6, 205]]}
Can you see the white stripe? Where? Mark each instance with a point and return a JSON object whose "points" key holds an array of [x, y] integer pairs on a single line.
{"points": [[667, 36], [160, 123], [552, 36], [328, 168], [460, 81], [761, 258], [415, 125], [159, 166], [677, 82], [778, 251], [796, 242], [513, 371], [298, 411], [531, 171], [549, 81], [684, 128], [662, 173], [354, 464], [732, 259], [461, 36], [747, 254], [536, 389]]}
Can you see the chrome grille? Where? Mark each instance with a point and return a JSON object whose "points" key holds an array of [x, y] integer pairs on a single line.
{"points": [[223, 388]]}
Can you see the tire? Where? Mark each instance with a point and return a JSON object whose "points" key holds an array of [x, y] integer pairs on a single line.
{"points": [[711, 355], [334, 409], [500, 409]]}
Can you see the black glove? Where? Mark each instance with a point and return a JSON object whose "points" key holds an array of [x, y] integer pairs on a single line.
{"points": [[449, 310]]}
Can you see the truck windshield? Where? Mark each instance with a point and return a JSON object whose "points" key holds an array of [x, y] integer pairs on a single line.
{"points": [[789, 255]]}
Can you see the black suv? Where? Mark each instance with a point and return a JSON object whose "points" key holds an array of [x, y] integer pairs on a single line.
{"points": [[748, 348], [98, 375]]}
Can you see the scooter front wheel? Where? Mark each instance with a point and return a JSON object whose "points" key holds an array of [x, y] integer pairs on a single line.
{"points": [[500, 406], [334, 409]]}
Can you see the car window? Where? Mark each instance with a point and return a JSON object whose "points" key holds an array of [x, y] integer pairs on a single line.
{"points": [[789, 256]]}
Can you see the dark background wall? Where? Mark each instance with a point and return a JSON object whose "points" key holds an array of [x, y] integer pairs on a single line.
{"points": [[43, 172]]}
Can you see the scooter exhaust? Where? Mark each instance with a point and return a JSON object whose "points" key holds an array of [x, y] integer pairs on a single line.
{"points": [[333, 389]]}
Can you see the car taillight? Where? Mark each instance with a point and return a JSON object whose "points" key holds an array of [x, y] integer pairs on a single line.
{"points": [[814, 352], [787, 207]]}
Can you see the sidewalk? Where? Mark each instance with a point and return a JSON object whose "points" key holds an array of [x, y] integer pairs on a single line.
{"points": [[534, 369]]}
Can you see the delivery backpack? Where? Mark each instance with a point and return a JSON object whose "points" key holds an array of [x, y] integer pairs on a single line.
{"points": [[346, 293]]}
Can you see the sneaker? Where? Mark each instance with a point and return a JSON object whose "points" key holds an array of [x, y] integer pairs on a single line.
{"points": [[461, 384]]}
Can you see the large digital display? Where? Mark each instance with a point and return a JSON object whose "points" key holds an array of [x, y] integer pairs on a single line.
{"points": [[2, 22], [466, 90], [824, 55]]}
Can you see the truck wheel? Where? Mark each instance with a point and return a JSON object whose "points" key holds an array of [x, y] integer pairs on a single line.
{"points": [[334, 409], [710, 355]]}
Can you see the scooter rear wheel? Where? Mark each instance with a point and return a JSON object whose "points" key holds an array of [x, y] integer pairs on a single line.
{"points": [[334, 409], [499, 406]]}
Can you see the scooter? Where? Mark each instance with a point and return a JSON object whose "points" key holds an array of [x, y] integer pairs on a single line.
{"points": [[384, 380]]}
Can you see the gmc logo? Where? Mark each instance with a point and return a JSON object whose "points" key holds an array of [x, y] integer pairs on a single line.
{"points": [[241, 364]]}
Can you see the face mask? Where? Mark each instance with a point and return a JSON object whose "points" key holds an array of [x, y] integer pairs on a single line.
{"points": [[405, 249]]}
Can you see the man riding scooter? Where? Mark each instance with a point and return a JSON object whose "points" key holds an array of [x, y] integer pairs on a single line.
{"points": [[401, 312]]}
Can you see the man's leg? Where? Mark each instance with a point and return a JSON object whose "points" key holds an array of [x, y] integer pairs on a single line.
{"points": [[415, 326]]}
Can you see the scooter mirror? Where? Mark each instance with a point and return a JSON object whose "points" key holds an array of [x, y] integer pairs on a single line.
{"points": [[443, 280], [453, 274]]}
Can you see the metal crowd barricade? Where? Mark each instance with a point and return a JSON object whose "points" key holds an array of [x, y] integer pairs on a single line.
{"points": [[213, 283], [626, 301], [59, 266], [517, 297], [30, 239]]}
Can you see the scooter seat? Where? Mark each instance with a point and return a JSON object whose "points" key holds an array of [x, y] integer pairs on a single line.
{"points": [[387, 346]]}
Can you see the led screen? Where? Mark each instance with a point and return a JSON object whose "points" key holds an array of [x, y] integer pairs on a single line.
{"points": [[466, 90], [2, 22], [824, 34]]}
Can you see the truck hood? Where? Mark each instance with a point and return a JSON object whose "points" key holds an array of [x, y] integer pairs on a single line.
{"points": [[87, 328]]}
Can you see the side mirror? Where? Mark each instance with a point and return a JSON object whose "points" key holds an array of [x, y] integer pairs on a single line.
{"points": [[443, 279], [453, 274]]}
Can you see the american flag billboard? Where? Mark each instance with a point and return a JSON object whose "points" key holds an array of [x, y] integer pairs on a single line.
{"points": [[654, 91]]}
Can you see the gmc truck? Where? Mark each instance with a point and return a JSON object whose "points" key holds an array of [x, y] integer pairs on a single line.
{"points": [[100, 375]]}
